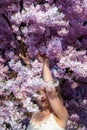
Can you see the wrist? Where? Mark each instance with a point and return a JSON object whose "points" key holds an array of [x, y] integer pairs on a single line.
{"points": [[46, 63], [51, 92]]}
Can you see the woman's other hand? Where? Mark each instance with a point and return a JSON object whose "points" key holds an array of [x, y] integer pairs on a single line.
{"points": [[43, 59], [25, 58]]}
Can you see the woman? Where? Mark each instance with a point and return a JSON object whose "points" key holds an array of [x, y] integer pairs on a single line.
{"points": [[52, 115]]}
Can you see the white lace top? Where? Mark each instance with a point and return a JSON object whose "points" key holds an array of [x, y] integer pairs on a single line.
{"points": [[48, 124]]}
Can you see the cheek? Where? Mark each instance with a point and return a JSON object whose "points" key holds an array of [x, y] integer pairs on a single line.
{"points": [[38, 101]]}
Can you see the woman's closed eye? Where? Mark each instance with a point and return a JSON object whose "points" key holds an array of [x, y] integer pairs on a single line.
{"points": [[42, 90], [38, 92]]}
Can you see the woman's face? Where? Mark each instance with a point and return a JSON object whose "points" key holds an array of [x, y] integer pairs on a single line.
{"points": [[42, 100]]}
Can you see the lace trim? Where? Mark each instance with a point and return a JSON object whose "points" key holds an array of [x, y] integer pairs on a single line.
{"points": [[42, 122]]}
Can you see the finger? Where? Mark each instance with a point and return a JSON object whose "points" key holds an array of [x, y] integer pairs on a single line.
{"points": [[41, 58], [21, 56]]}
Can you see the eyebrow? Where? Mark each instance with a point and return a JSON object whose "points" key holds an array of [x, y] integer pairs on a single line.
{"points": [[41, 89]]}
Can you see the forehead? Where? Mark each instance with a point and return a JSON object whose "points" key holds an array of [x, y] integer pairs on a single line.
{"points": [[41, 89]]}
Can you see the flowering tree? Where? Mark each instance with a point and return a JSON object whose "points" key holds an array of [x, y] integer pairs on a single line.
{"points": [[57, 29]]}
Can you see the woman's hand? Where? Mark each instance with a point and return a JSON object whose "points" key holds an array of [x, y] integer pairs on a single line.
{"points": [[43, 59], [25, 58]]}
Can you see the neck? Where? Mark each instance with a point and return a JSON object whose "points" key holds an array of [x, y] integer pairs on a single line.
{"points": [[46, 110]]}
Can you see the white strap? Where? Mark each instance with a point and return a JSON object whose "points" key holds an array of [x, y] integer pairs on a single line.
{"points": [[33, 115]]}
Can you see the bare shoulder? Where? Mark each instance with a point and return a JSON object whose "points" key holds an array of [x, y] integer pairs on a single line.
{"points": [[35, 116]]}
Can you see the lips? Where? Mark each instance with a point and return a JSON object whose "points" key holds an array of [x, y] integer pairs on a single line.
{"points": [[43, 100]]}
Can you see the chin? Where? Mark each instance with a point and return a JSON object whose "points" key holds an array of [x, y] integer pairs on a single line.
{"points": [[45, 105]]}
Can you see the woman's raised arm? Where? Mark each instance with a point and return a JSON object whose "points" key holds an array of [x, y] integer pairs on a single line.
{"points": [[56, 103]]}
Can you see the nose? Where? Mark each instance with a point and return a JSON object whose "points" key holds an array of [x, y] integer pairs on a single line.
{"points": [[43, 96]]}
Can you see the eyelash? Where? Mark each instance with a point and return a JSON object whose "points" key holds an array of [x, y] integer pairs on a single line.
{"points": [[40, 92]]}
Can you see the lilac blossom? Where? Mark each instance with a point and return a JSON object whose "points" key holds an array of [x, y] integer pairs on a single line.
{"points": [[54, 48], [71, 60], [51, 16]]}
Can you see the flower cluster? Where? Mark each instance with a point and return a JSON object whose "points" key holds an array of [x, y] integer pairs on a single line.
{"points": [[49, 17], [36, 34], [76, 61]]}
